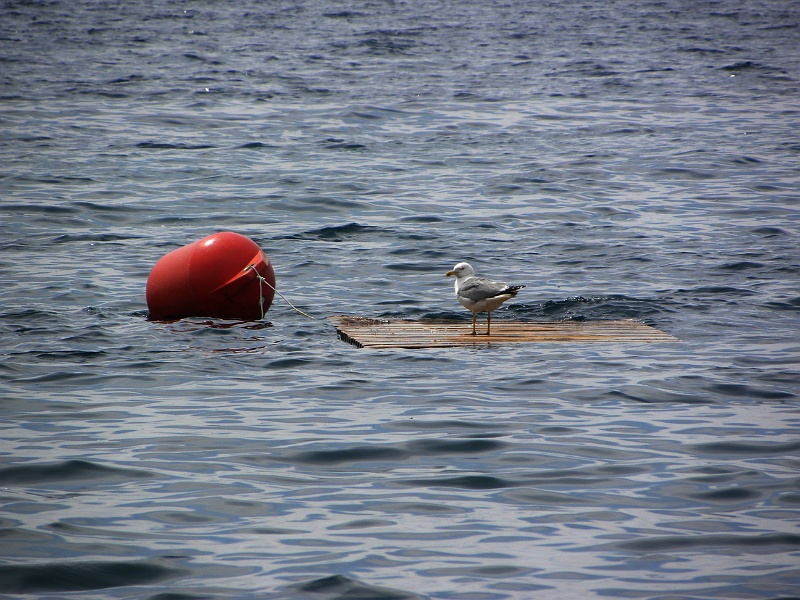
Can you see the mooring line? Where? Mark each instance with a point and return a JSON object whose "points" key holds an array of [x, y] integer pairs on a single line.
{"points": [[261, 280]]}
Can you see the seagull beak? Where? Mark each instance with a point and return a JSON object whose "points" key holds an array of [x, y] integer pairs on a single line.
{"points": [[449, 273]]}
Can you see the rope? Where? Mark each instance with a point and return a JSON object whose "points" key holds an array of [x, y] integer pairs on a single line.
{"points": [[261, 281]]}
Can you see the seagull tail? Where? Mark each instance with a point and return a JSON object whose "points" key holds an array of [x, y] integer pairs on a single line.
{"points": [[511, 290]]}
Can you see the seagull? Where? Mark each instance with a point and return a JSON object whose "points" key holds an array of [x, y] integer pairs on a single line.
{"points": [[479, 294]]}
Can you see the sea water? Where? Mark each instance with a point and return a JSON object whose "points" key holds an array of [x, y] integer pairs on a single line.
{"points": [[621, 159]]}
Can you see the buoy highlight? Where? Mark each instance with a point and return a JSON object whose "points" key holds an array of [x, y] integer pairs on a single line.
{"points": [[219, 276]]}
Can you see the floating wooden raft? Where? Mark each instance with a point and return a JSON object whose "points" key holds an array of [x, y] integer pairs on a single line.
{"points": [[379, 333]]}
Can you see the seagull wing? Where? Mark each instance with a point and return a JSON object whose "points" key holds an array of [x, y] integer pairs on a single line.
{"points": [[478, 288]]}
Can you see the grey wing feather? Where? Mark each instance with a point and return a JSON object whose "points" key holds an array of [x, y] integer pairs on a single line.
{"points": [[478, 288]]}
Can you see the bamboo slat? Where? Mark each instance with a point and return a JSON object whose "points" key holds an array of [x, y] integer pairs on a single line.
{"points": [[395, 333]]}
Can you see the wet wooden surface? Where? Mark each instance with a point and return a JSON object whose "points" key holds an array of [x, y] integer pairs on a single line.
{"points": [[396, 333]]}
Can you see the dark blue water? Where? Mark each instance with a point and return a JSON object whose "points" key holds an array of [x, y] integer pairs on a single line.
{"points": [[622, 159]]}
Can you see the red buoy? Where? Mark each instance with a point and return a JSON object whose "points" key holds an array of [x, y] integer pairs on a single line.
{"points": [[217, 276]]}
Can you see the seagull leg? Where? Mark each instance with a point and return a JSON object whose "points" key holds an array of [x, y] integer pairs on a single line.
{"points": [[488, 322], [474, 317]]}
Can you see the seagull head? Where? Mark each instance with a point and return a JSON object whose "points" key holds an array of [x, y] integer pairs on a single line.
{"points": [[462, 269]]}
